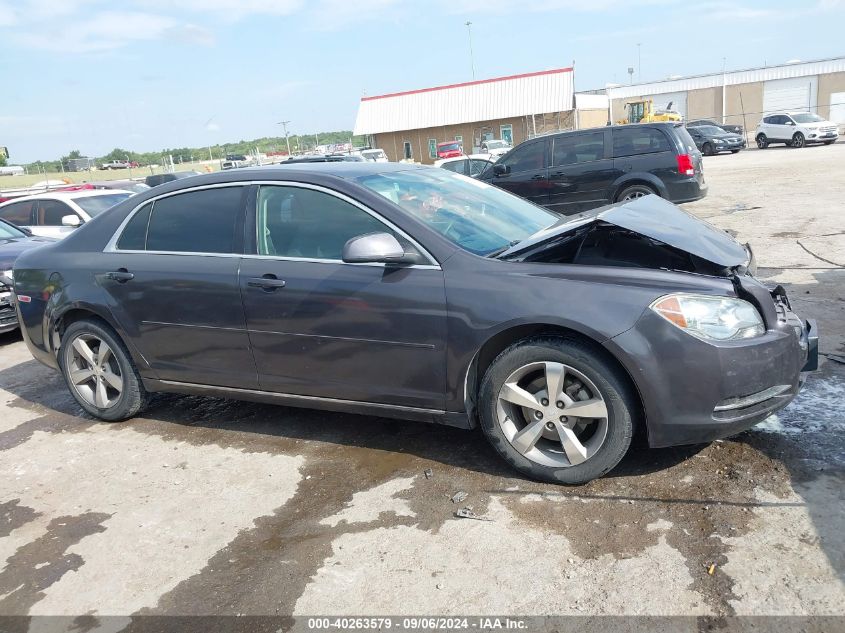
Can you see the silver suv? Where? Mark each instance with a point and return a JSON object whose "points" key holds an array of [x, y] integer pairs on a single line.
{"points": [[795, 129]]}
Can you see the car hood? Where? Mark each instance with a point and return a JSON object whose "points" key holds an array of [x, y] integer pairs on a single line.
{"points": [[10, 248], [658, 219]]}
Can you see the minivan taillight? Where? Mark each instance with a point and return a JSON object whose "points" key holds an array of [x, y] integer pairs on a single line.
{"points": [[685, 165]]}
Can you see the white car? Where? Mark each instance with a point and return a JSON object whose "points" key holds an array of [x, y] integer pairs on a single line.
{"points": [[495, 147], [795, 129], [472, 165], [374, 155], [57, 213]]}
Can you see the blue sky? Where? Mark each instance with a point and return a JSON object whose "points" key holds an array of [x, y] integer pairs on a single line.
{"points": [[148, 74]]}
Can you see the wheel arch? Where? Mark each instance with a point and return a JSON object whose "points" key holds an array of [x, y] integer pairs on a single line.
{"points": [[629, 180], [61, 319], [501, 340]]}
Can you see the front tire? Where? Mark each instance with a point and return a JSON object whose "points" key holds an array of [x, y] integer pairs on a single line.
{"points": [[635, 191], [798, 141], [707, 148], [762, 141], [829, 142], [557, 410], [734, 151], [99, 371]]}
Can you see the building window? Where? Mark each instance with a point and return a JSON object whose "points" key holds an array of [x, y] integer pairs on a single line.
{"points": [[407, 153], [506, 133], [432, 148], [459, 138]]}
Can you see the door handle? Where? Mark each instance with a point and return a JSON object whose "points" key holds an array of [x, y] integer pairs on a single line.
{"points": [[268, 283], [120, 276]]}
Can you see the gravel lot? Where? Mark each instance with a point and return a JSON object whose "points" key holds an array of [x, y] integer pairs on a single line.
{"points": [[211, 507]]}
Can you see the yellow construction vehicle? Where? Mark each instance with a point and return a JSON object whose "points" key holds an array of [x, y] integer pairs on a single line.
{"points": [[644, 112]]}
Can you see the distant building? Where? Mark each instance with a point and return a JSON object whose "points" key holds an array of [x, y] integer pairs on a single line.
{"points": [[409, 125], [742, 97], [11, 170], [80, 164]]}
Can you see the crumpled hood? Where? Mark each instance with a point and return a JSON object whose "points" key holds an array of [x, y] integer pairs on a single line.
{"points": [[658, 219]]}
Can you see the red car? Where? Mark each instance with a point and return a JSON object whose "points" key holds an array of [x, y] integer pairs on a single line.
{"points": [[449, 149]]}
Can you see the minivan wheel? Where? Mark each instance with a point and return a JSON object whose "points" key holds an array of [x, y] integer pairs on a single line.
{"points": [[798, 140], [99, 371], [635, 191], [762, 141], [708, 149], [557, 410]]}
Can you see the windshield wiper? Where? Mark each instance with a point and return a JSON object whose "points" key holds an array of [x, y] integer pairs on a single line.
{"points": [[499, 251]]}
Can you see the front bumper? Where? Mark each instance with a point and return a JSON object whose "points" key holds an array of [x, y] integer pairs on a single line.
{"points": [[695, 391], [822, 137], [8, 314]]}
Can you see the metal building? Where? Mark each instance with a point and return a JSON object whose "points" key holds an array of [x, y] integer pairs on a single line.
{"points": [[742, 97]]}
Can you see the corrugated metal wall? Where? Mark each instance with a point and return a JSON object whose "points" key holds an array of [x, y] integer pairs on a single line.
{"points": [[520, 95]]}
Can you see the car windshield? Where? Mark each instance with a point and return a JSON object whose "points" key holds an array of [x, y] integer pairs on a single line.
{"points": [[478, 217], [7, 231], [806, 117], [95, 205], [496, 144], [448, 147], [710, 129]]}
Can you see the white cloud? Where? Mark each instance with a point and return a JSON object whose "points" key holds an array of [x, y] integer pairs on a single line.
{"points": [[482, 7], [191, 34], [212, 127], [104, 31], [232, 9], [333, 15]]}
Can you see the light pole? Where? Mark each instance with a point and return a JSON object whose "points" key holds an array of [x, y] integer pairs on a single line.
{"points": [[284, 124], [639, 63], [471, 57]]}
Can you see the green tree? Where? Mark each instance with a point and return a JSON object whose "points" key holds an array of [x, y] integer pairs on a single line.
{"points": [[2, 160]]}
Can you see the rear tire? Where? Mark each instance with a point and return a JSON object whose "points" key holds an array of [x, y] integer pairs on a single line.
{"points": [[798, 141], [762, 141], [525, 423], [99, 371], [635, 191], [707, 148]]}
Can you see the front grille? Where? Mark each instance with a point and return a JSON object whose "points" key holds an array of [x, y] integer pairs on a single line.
{"points": [[827, 130]]}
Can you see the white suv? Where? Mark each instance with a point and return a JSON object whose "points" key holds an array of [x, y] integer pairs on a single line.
{"points": [[795, 129]]}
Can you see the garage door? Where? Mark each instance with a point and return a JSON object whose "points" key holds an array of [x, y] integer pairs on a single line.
{"points": [[837, 107], [677, 99], [790, 94]]}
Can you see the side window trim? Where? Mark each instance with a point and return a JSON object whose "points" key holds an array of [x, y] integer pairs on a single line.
{"points": [[253, 247]]}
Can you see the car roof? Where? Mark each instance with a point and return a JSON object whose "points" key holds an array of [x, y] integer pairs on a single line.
{"points": [[464, 157], [70, 195]]}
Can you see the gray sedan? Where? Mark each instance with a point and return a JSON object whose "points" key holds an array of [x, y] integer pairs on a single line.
{"points": [[412, 292]]}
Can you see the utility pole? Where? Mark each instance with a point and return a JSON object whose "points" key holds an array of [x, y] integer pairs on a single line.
{"points": [[639, 63], [471, 57], [284, 124]]}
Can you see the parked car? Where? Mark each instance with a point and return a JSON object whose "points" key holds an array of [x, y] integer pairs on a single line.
{"points": [[57, 213], [13, 242], [116, 164], [472, 165], [727, 127], [158, 179], [449, 149], [313, 158], [712, 140], [135, 186], [795, 129], [374, 155], [412, 292], [495, 147], [570, 172]]}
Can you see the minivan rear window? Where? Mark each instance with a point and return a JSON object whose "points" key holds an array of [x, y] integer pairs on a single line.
{"points": [[633, 140]]}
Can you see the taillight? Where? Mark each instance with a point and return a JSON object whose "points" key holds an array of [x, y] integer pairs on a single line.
{"points": [[685, 165]]}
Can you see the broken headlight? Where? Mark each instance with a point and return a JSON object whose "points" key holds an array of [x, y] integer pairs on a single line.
{"points": [[711, 318]]}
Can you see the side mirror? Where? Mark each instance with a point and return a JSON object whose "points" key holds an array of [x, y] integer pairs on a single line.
{"points": [[71, 220], [501, 170], [377, 248], [790, 122]]}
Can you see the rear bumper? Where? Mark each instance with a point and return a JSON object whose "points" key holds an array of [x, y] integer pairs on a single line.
{"points": [[687, 190], [695, 391]]}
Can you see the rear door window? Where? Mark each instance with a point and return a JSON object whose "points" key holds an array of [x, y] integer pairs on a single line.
{"points": [[202, 221], [19, 213], [578, 148], [51, 212], [635, 140]]}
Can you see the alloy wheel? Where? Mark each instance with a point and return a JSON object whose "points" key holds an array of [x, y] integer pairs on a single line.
{"points": [[762, 143], [798, 140], [636, 193], [552, 414], [93, 371]]}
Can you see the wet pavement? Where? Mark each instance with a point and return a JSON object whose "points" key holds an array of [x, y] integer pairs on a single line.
{"points": [[206, 506]]}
